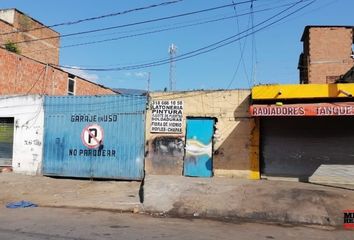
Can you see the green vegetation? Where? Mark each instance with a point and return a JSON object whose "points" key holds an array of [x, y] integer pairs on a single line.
{"points": [[12, 47]]}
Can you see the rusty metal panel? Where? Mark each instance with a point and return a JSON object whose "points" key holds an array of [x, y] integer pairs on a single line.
{"points": [[95, 136], [300, 147]]}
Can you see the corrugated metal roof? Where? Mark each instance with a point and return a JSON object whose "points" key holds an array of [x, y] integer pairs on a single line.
{"points": [[129, 91]]}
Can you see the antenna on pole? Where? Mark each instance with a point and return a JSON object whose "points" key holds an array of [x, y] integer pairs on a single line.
{"points": [[172, 50]]}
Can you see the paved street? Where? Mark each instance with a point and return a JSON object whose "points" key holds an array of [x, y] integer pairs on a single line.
{"points": [[58, 223]]}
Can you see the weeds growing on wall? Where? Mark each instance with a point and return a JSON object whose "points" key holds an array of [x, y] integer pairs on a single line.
{"points": [[12, 47]]}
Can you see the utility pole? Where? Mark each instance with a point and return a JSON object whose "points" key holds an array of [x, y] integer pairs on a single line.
{"points": [[148, 82], [172, 50]]}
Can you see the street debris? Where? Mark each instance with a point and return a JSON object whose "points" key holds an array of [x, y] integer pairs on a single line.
{"points": [[21, 204]]}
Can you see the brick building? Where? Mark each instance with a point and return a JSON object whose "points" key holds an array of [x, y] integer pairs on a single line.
{"points": [[327, 55], [22, 75], [30, 71], [17, 27]]}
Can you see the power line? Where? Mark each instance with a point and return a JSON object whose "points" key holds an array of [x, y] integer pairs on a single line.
{"points": [[208, 48], [203, 49], [253, 49], [234, 40], [37, 81], [180, 23], [158, 30], [135, 23], [242, 49], [237, 39], [314, 9], [95, 18]]}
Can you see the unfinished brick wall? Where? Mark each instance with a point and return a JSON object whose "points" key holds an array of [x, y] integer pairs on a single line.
{"points": [[22, 75], [46, 50], [327, 54]]}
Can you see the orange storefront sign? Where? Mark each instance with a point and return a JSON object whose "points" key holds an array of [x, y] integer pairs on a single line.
{"points": [[313, 109]]}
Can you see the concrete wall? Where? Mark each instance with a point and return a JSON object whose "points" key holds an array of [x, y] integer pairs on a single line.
{"points": [[46, 50], [327, 54], [232, 140], [28, 115], [22, 75]]}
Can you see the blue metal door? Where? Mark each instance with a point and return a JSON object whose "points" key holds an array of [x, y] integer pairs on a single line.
{"points": [[95, 136], [198, 161]]}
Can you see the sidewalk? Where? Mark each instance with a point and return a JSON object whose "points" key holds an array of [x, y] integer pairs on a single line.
{"points": [[75, 193], [278, 201], [221, 198]]}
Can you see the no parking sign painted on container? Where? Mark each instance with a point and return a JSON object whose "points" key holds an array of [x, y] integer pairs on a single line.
{"points": [[92, 136]]}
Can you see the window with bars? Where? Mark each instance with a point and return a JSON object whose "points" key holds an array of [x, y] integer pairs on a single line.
{"points": [[71, 84]]}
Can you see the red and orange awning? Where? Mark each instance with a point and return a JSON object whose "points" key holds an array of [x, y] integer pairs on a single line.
{"points": [[311, 109]]}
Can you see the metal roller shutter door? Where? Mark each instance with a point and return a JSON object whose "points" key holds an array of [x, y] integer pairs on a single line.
{"points": [[308, 148], [6, 141]]}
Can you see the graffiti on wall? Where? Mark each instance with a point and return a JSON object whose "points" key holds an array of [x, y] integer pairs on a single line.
{"points": [[195, 149], [31, 138], [168, 146], [167, 154], [35, 142]]}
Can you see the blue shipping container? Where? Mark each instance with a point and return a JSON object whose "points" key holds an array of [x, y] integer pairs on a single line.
{"points": [[95, 136]]}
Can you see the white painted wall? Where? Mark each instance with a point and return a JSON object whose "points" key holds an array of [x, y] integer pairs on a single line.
{"points": [[28, 131], [7, 15]]}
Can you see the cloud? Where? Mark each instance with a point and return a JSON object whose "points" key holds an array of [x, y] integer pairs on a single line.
{"points": [[136, 74], [81, 73], [140, 74]]}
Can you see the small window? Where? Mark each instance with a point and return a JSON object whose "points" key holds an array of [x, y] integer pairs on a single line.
{"points": [[71, 84]]}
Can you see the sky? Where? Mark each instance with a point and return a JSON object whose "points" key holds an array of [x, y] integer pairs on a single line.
{"points": [[262, 36]]}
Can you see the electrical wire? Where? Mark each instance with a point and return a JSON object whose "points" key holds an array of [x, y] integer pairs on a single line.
{"points": [[158, 30], [237, 39], [180, 23], [242, 49], [135, 23], [166, 60], [37, 81], [324, 5], [95, 18], [208, 48], [252, 47]]}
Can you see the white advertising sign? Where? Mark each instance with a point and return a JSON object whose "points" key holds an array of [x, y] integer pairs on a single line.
{"points": [[166, 116]]}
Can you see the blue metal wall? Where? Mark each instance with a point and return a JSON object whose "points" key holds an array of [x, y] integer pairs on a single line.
{"points": [[70, 124]]}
